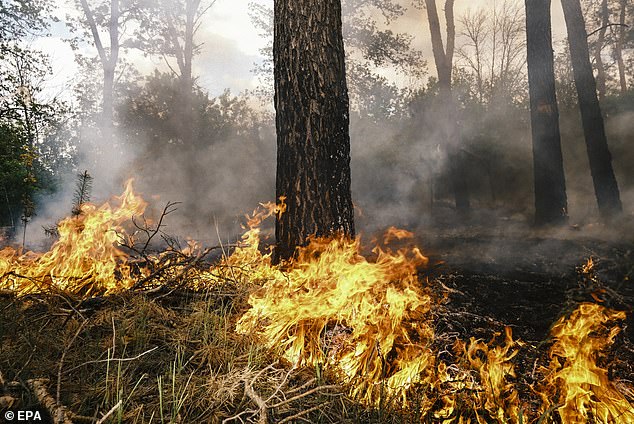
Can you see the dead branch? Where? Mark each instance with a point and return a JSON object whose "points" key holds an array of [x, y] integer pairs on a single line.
{"points": [[58, 412], [304, 412], [110, 412], [607, 26], [303, 395]]}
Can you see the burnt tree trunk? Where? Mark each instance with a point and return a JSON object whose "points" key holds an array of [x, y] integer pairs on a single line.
{"points": [[312, 121], [551, 205], [605, 186]]}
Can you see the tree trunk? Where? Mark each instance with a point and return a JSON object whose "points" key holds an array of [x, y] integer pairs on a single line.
{"points": [[444, 65], [312, 121], [618, 49], [550, 185], [605, 20], [108, 63], [187, 82], [605, 185]]}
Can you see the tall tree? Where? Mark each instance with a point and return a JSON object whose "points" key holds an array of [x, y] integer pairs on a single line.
{"points": [[605, 185], [312, 121], [169, 30], [620, 42], [108, 57], [443, 57], [551, 203], [598, 51]]}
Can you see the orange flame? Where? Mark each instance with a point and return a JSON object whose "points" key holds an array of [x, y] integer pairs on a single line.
{"points": [[85, 259], [581, 388], [368, 321]]}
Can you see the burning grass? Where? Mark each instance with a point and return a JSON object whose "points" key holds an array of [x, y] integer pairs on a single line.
{"points": [[331, 336]]}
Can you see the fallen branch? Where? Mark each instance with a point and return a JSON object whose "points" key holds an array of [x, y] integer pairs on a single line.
{"points": [[58, 412], [105, 417]]}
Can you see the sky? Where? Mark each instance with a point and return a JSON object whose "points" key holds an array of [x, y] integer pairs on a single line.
{"points": [[231, 45]]}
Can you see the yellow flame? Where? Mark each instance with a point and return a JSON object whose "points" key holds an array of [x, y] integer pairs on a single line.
{"points": [[581, 388], [85, 259], [365, 319], [369, 321]]}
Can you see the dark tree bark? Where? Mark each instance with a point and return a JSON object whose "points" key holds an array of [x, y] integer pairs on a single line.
{"points": [[605, 185], [551, 203], [443, 58], [312, 120]]}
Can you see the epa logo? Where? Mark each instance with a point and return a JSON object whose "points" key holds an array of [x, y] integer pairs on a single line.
{"points": [[23, 416]]}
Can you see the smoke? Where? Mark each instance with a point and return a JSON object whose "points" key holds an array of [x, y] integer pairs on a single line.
{"points": [[399, 170]]}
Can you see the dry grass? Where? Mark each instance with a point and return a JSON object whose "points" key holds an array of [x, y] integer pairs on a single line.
{"points": [[175, 359]]}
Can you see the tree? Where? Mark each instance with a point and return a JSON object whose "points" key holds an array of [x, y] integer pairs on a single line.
{"points": [[108, 58], [370, 44], [492, 48], [605, 185], [443, 57], [19, 18], [619, 45], [551, 202], [168, 30], [312, 122]]}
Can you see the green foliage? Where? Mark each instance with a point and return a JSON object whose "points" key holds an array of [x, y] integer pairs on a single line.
{"points": [[151, 116], [19, 18]]}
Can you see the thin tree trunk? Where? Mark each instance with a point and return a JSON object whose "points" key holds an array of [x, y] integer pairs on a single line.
{"points": [[605, 185], [601, 79], [618, 49], [108, 62], [444, 65], [186, 73], [550, 185], [312, 120]]}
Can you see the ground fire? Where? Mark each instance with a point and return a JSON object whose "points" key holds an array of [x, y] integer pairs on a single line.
{"points": [[366, 322]]}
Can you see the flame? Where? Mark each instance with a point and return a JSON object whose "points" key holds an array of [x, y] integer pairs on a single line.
{"points": [[85, 259], [369, 321], [331, 306], [581, 388]]}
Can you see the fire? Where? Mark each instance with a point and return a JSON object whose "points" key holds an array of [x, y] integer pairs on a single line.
{"points": [[581, 389], [368, 321], [85, 259], [332, 307]]}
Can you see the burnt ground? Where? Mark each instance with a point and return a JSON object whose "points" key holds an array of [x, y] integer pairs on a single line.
{"points": [[527, 281]]}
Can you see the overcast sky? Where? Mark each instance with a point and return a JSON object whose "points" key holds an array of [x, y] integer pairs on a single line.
{"points": [[231, 44]]}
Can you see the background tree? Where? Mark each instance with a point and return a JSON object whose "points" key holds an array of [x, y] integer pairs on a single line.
{"points": [[605, 185], [100, 20], [450, 132], [551, 205], [312, 121], [168, 29]]}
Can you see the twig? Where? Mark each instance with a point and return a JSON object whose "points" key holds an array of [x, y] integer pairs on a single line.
{"points": [[606, 26], [302, 413], [61, 362], [105, 417], [112, 359], [302, 395]]}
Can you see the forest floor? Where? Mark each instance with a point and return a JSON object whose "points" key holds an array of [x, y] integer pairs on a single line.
{"points": [[174, 357]]}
